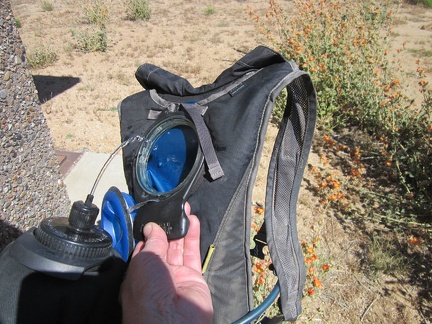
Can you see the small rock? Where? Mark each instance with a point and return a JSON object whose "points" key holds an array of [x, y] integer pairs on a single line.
{"points": [[6, 76]]}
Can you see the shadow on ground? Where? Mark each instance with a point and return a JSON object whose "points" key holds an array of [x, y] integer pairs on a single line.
{"points": [[381, 199], [50, 86]]}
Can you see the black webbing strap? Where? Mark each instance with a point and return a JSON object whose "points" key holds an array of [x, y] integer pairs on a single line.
{"points": [[195, 112]]}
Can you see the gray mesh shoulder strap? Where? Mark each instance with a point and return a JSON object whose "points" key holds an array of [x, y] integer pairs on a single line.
{"points": [[285, 174]]}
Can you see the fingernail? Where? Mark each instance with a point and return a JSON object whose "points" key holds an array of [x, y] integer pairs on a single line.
{"points": [[148, 228]]}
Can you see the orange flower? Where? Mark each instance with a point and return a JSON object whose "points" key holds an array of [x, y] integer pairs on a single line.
{"points": [[355, 172], [255, 227], [324, 159], [257, 268], [322, 184], [356, 152], [311, 291], [332, 197], [310, 250], [413, 240], [329, 141], [335, 184], [259, 210], [316, 282], [308, 260], [325, 267], [261, 280], [325, 202], [311, 259]]}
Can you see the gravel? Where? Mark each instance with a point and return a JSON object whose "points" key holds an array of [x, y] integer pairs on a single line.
{"points": [[30, 181]]}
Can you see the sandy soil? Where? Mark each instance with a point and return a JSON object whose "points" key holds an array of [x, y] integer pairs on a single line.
{"points": [[80, 93]]}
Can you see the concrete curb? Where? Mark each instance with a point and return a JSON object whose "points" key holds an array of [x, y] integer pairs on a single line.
{"points": [[80, 178]]}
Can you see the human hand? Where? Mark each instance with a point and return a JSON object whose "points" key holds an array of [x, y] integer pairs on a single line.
{"points": [[164, 283]]}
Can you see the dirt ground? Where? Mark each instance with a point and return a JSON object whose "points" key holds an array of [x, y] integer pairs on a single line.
{"points": [[80, 93]]}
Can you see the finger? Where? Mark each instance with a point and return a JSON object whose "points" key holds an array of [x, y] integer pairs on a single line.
{"points": [[191, 254], [187, 208], [176, 247], [138, 248], [156, 240], [175, 252]]}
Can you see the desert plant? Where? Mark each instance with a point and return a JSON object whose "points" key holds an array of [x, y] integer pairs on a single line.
{"points": [[41, 57], [47, 5], [383, 257], [279, 107], [91, 40], [263, 279], [343, 45], [209, 10], [137, 9], [341, 58], [96, 12], [427, 3], [316, 267]]}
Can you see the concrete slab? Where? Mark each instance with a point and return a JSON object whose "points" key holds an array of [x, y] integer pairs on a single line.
{"points": [[80, 178]]}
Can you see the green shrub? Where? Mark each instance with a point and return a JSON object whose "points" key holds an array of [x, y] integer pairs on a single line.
{"points": [[209, 10], [339, 43], [47, 5], [91, 40], [137, 9], [383, 257], [343, 45], [41, 57], [96, 12], [427, 3], [279, 107]]}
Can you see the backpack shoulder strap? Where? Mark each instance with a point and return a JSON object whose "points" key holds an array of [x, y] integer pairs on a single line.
{"points": [[288, 161]]}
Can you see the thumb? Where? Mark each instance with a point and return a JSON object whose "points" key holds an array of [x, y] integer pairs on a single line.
{"points": [[156, 240]]}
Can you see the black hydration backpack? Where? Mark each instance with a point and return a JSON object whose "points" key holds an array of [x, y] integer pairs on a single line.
{"points": [[180, 143], [229, 120]]}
